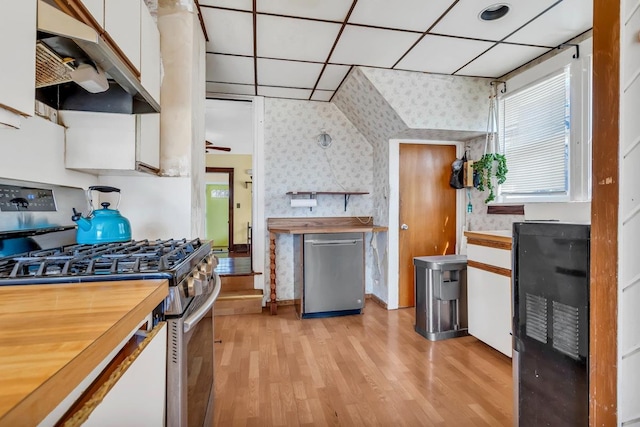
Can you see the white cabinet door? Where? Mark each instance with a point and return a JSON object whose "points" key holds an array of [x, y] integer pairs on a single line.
{"points": [[99, 141], [122, 23], [138, 397], [148, 147], [18, 50], [110, 143], [96, 9], [150, 53], [489, 308]]}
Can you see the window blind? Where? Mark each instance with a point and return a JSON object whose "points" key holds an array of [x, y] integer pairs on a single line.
{"points": [[534, 135]]}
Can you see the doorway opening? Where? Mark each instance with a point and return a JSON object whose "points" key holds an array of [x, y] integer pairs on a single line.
{"points": [[220, 208], [232, 132]]}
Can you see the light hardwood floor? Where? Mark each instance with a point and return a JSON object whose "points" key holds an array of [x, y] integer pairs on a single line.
{"points": [[371, 369]]}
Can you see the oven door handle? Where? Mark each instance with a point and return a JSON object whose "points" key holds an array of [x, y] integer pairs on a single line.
{"points": [[195, 317]]}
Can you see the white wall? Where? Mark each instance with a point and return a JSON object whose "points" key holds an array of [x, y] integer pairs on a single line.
{"points": [[230, 124], [35, 152], [629, 220], [157, 207]]}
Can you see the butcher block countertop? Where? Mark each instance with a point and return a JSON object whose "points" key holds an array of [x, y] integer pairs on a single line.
{"points": [[323, 225], [53, 336], [500, 239]]}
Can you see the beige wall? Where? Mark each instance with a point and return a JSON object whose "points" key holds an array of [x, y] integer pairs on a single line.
{"points": [[241, 191]]}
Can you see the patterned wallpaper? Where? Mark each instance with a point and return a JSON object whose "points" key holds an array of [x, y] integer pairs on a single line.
{"points": [[294, 161], [385, 104], [367, 109], [371, 107], [433, 101]]}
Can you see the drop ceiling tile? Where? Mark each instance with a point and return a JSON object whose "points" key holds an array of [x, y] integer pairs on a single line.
{"points": [[438, 54], [322, 95], [299, 39], [229, 32], [557, 25], [416, 15], [231, 4], [333, 76], [372, 46], [501, 59], [273, 72], [230, 88], [284, 92], [463, 19], [333, 10], [229, 69]]}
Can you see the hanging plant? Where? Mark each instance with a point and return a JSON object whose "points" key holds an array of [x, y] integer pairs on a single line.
{"points": [[492, 166]]}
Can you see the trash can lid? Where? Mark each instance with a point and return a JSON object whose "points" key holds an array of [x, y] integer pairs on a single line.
{"points": [[441, 262]]}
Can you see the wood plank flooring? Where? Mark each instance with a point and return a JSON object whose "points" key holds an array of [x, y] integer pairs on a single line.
{"points": [[370, 370]]}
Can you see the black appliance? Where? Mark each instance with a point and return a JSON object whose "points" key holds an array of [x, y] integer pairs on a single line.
{"points": [[551, 323]]}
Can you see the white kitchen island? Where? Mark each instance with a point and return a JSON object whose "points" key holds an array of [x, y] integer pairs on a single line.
{"points": [[489, 287]]}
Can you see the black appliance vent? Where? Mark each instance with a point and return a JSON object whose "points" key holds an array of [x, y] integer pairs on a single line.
{"points": [[536, 317], [565, 329]]}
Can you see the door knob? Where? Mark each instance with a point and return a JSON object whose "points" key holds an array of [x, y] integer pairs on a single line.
{"points": [[404, 227]]}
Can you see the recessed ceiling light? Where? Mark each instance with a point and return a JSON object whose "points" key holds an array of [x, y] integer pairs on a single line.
{"points": [[494, 12]]}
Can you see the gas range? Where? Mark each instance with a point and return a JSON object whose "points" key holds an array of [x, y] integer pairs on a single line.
{"points": [[38, 245], [187, 264]]}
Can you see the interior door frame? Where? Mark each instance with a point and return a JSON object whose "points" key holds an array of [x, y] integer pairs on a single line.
{"points": [[393, 277], [229, 172]]}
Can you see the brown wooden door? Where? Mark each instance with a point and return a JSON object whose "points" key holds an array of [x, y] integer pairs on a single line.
{"points": [[427, 207]]}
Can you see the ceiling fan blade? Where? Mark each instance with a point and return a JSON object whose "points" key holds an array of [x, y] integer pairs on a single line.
{"points": [[210, 146]]}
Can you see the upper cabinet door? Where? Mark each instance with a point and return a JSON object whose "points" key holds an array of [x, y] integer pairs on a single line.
{"points": [[150, 53], [122, 23], [18, 50], [96, 9]]}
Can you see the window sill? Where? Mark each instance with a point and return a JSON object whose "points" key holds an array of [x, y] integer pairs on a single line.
{"points": [[505, 209]]}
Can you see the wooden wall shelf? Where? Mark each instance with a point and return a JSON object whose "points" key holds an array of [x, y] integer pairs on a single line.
{"points": [[312, 195]]}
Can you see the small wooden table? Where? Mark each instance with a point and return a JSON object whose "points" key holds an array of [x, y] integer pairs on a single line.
{"points": [[310, 225]]}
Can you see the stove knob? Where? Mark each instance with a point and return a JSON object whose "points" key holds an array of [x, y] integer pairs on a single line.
{"points": [[196, 284], [207, 268]]}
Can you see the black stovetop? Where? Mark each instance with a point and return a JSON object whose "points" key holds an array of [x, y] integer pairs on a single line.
{"points": [[143, 259]]}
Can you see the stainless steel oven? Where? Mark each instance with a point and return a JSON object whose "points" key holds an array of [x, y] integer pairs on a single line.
{"points": [[190, 361]]}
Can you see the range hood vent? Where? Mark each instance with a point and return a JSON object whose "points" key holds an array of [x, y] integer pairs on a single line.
{"points": [[51, 69], [65, 44]]}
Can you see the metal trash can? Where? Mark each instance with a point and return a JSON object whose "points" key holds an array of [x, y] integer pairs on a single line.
{"points": [[441, 296]]}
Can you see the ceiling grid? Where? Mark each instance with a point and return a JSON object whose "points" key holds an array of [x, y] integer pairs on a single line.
{"points": [[304, 49]]}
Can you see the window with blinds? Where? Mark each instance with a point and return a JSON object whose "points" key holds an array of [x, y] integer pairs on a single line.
{"points": [[534, 131]]}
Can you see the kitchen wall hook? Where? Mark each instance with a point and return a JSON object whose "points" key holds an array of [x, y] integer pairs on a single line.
{"points": [[577, 46], [498, 82]]}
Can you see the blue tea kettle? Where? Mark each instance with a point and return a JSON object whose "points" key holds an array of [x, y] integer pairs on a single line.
{"points": [[102, 225]]}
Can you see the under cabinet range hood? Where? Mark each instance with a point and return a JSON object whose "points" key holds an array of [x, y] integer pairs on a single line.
{"points": [[66, 47]]}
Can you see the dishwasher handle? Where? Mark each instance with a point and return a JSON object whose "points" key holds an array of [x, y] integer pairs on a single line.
{"points": [[349, 242]]}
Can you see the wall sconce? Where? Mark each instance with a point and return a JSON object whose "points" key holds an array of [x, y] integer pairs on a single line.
{"points": [[324, 139]]}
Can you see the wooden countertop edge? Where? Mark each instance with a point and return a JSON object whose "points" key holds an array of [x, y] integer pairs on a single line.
{"points": [[486, 239], [37, 405], [335, 229]]}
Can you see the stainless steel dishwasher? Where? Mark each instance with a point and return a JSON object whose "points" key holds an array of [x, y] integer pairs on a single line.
{"points": [[329, 274]]}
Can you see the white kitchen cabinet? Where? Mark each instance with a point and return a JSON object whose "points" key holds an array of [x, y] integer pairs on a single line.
{"points": [[108, 143], [148, 140], [138, 395], [18, 50], [489, 308], [122, 23], [96, 9], [489, 292], [150, 53]]}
